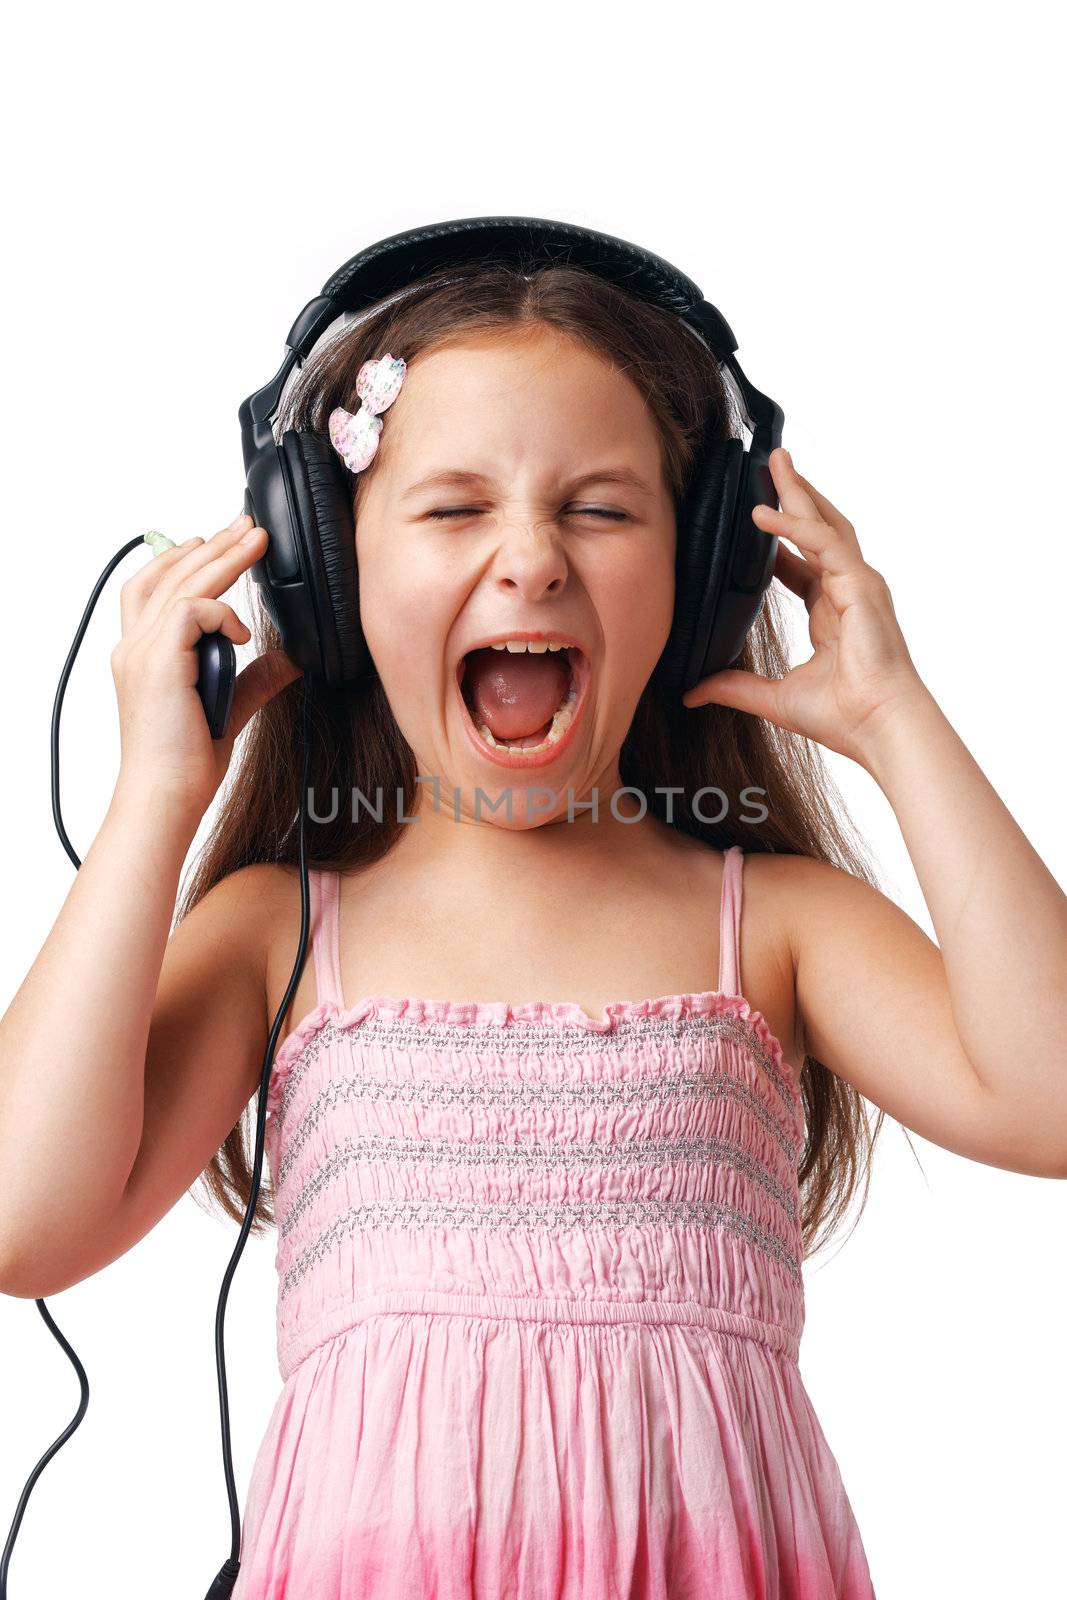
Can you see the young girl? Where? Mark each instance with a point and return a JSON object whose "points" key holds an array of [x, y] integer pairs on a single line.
{"points": [[539, 1245]]}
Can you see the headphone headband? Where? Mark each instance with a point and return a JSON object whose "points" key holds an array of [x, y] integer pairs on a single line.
{"points": [[392, 264]]}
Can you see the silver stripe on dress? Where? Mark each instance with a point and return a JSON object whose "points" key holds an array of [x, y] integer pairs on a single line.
{"points": [[525, 1038], [698, 1083], [531, 1157], [515, 1215]]}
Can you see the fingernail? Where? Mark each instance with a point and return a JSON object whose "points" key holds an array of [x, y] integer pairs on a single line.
{"points": [[236, 523]]}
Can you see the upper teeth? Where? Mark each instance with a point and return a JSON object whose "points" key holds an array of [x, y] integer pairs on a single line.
{"points": [[538, 646]]}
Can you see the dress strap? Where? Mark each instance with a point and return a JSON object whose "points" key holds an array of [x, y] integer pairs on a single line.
{"points": [[730, 921], [324, 935]]}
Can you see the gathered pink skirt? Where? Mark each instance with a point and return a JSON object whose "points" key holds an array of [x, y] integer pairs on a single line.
{"points": [[453, 1456]]}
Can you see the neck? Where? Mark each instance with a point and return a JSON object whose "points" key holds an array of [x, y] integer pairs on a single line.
{"points": [[448, 836]]}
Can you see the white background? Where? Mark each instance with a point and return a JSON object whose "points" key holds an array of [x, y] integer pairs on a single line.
{"points": [[872, 197]]}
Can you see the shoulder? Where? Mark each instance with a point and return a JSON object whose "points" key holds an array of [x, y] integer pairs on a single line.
{"points": [[239, 891], [804, 916], [776, 888], [262, 883], [272, 889], [797, 876], [226, 937], [241, 913], [798, 882], [780, 891], [792, 877], [266, 897], [806, 897]]}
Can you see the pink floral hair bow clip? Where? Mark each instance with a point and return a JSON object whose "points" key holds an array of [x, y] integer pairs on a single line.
{"points": [[354, 434]]}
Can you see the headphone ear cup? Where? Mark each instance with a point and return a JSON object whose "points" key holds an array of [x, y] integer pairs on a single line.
{"points": [[705, 528], [322, 507]]}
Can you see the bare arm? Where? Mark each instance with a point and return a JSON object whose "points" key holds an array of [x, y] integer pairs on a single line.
{"points": [[143, 1082], [961, 1041], [108, 1020], [72, 1042], [999, 914], [999, 983]]}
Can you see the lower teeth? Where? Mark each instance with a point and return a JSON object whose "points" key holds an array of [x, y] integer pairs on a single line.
{"points": [[560, 723]]}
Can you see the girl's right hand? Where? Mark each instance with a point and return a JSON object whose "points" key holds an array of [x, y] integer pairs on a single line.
{"points": [[168, 754]]}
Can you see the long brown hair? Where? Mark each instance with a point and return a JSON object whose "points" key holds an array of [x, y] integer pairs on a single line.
{"points": [[356, 743]]}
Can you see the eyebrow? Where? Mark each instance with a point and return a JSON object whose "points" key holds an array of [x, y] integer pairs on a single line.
{"points": [[455, 476]]}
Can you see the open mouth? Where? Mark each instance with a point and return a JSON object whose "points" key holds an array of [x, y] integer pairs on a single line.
{"points": [[523, 700]]}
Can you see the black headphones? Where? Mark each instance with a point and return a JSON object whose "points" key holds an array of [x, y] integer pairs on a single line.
{"points": [[297, 490], [296, 487]]}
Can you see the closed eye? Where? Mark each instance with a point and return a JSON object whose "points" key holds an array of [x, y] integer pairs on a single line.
{"points": [[473, 511]]}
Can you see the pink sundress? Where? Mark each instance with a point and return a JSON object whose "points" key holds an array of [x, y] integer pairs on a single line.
{"points": [[539, 1305]]}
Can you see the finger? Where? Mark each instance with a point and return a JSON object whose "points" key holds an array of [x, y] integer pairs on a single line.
{"points": [[800, 498], [824, 546], [196, 552], [148, 579], [826, 509], [193, 615], [797, 574], [140, 584], [744, 691], [815, 504], [259, 682], [792, 495], [209, 571]]}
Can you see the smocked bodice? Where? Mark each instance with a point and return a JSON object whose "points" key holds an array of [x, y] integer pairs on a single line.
{"points": [[535, 1162]]}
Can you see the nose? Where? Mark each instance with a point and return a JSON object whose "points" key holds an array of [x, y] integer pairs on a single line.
{"points": [[530, 562]]}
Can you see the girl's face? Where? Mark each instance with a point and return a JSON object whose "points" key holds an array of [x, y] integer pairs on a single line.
{"points": [[528, 546]]}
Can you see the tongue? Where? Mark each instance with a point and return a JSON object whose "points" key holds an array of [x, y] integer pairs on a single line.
{"points": [[515, 694]]}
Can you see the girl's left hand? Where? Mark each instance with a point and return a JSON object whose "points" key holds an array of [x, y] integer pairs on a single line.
{"points": [[861, 669]]}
